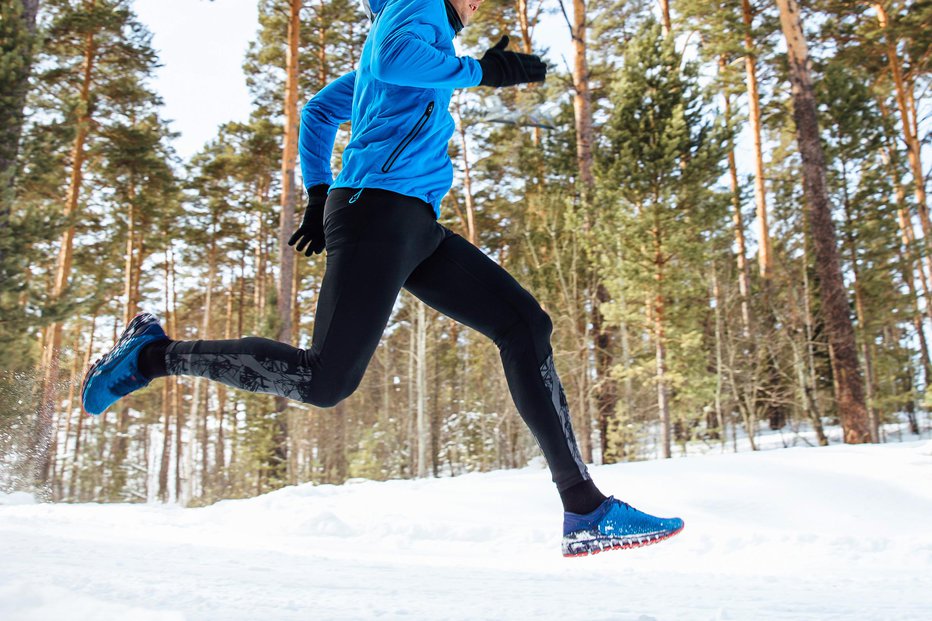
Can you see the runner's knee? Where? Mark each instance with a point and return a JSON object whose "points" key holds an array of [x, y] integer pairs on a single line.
{"points": [[541, 328], [327, 394], [533, 328]]}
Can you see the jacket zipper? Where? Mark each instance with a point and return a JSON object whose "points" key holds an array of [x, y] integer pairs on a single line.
{"points": [[396, 153]]}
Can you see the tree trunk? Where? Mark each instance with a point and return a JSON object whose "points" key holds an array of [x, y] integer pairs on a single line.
{"points": [[606, 397], [286, 225], [660, 351], [860, 313], [289, 194], [260, 259], [835, 307], [665, 21], [57, 475], [63, 267], [297, 279], [810, 387], [909, 120], [198, 413], [220, 445], [744, 277], [908, 260], [764, 259], [165, 460], [423, 423], [524, 25], [79, 433], [128, 263], [582, 100], [602, 336], [176, 387], [717, 430], [135, 254], [628, 385], [467, 180], [910, 249]]}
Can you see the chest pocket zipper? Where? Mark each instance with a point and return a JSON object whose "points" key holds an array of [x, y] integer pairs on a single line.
{"points": [[396, 153]]}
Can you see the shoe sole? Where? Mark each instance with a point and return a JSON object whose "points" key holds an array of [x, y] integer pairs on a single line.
{"points": [[595, 546], [128, 333]]}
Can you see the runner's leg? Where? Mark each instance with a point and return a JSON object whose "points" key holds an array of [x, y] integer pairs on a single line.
{"points": [[466, 285], [373, 244]]}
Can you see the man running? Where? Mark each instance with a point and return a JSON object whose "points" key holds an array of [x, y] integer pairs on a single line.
{"points": [[378, 222]]}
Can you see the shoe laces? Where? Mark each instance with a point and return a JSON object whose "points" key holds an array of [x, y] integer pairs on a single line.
{"points": [[625, 505]]}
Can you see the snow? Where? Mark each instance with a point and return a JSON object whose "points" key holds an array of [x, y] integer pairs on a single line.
{"points": [[840, 532], [17, 498]]}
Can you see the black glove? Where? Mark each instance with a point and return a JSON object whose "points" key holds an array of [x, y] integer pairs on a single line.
{"points": [[311, 231], [501, 68]]}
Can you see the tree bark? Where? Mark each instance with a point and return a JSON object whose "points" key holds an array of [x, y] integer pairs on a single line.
{"points": [[198, 413], [719, 428], [286, 254], [809, 385], [286, 225], [75, 458], [908, 261], [176, 385], [849, 393], [744, 277], [582, 100], [128, 263], [467, 181], [165, 460], [764, 259], [423, 423], [665, 22], [860, 313], [131, 291], [602, 335], [524, 25], [220, 444], [909, 253], [660, 346], [909, 120]]}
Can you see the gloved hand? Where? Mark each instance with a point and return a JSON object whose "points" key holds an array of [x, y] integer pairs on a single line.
{"points": [[311, 231], [501, 68]]}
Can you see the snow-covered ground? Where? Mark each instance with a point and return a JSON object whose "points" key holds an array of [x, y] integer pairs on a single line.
{"points": [[842, 532]]}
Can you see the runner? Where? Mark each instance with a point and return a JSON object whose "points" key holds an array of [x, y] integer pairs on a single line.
{"points": [[378, 223]]}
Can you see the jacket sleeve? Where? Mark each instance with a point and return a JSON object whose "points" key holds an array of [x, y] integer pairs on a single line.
{"points": [[320, 118], [404, 54]]}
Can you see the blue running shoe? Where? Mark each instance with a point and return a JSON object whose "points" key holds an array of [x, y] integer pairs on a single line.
{"points": [[614, 525], [117, 374]]}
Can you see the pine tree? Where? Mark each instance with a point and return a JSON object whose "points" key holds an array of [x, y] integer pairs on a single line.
{"points": [[17, 47], [92, 65], [847, 374], [658, 172]]}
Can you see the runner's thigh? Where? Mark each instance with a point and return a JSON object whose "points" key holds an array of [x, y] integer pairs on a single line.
{"points": [[460, 281]]}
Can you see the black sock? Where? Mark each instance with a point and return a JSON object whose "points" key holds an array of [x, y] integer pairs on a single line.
{"points": [[152, 359], [582, 498]]}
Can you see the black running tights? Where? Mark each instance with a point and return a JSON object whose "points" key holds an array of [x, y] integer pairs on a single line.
{"points": [[378, 242]]}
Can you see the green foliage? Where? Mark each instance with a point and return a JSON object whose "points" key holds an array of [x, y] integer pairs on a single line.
{"points": [[650, 249], [661, 216]]}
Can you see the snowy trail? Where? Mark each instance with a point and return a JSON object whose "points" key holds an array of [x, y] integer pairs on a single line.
{"points": [[829, 533]]}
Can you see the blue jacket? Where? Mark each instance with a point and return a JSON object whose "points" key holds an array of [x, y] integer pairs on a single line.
{"points": [[398, 100]]}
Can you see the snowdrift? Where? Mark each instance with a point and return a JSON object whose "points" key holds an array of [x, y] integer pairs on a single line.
{"points": [[842, 532]]}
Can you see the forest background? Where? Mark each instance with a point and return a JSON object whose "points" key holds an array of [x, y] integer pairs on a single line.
{"points": [[693, 301]]}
